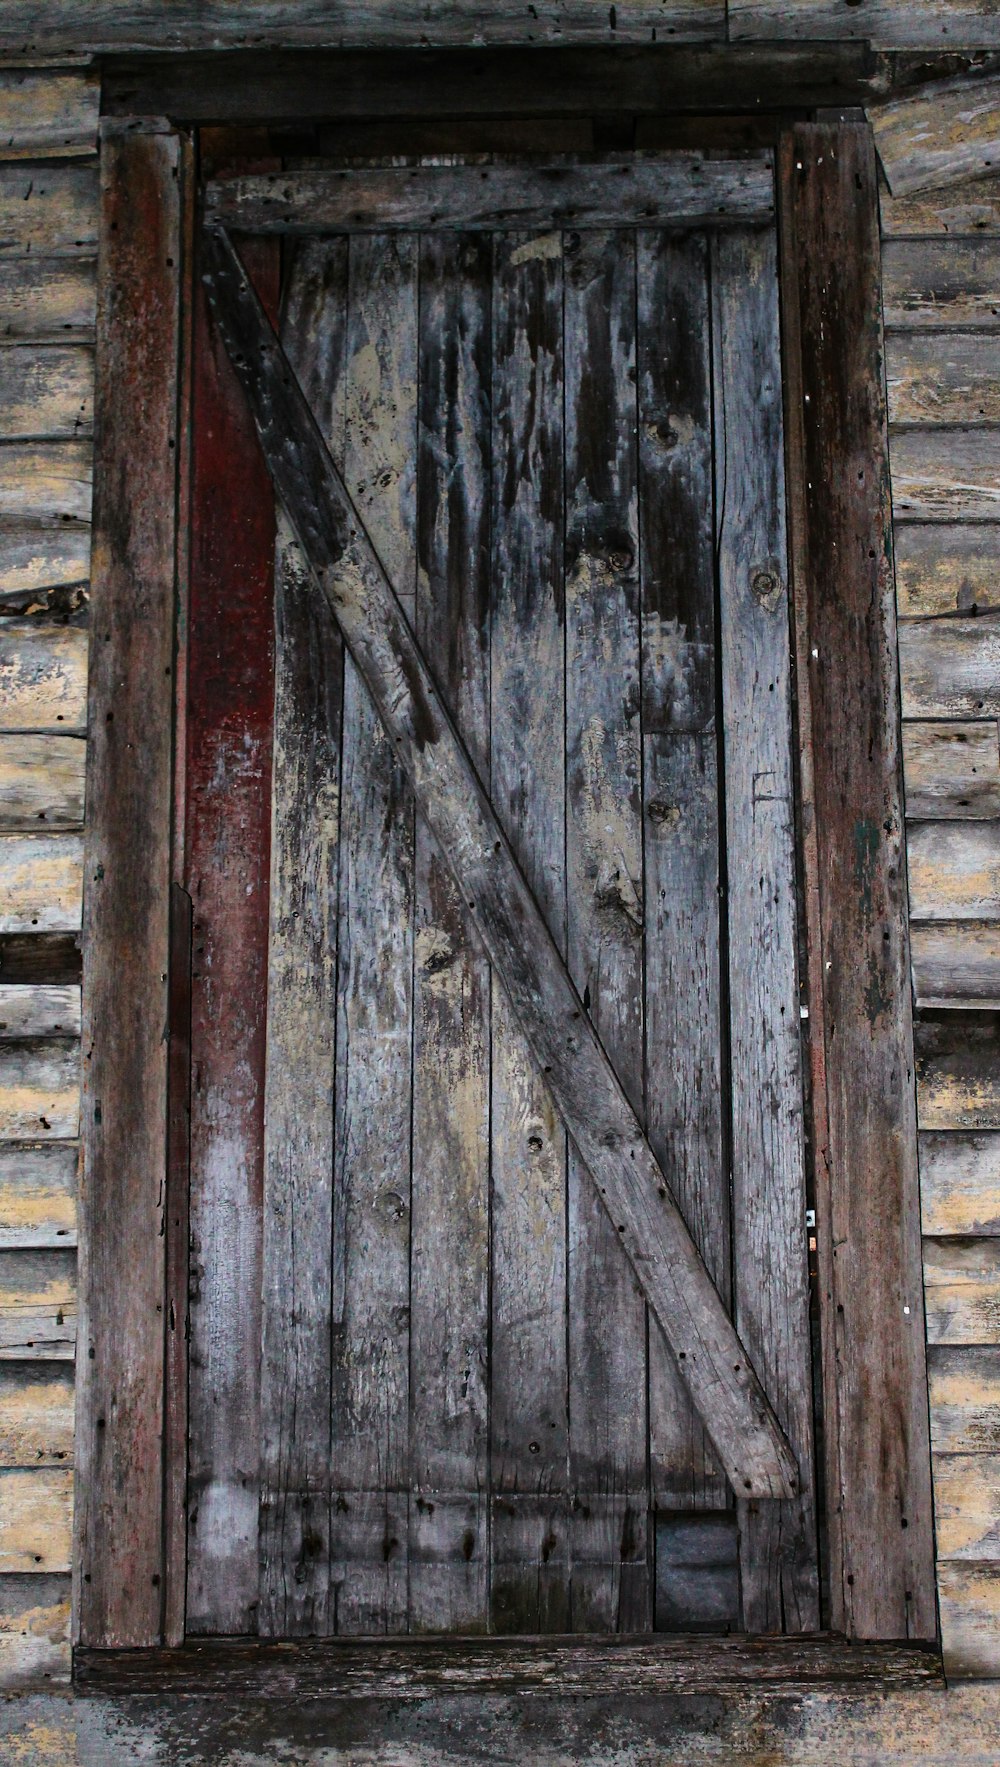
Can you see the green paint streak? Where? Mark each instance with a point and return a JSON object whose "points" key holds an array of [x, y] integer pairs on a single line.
{"points": [[866, 844]]}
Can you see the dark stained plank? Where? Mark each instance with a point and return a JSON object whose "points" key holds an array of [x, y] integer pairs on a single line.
{"points": [[609, 1545], [877, 1462], [680, 810], [369, 1454], [302, 1013], [227, 862], [681, 189], [604, 1127], [449, 1264], [119, 1527], [528, 1397], [53, 958], [778, 1546]]}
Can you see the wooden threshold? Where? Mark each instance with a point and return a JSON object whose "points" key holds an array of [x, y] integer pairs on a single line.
{"points": [[422, 1668]]}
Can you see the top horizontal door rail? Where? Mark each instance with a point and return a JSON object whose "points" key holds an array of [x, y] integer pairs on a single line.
{"points": [[685, 190]]}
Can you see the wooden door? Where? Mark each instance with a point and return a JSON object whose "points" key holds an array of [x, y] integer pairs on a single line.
{"points": [[565, 443]]}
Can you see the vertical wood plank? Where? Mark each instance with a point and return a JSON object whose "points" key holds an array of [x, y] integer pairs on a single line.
{"points": [[176, 1237], [528, 1396], [681, 811], [778, 1545], [372, 1201], [302, 1012], [126, 914], [877, 1460], [449, 1509], [227, 837], [610, 1549]]}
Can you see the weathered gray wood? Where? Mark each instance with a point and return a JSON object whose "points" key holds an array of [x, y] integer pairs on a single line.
{"points": [[46, 481], [607, 1331], [49, 210], [332, 532], [962, 1290], [37, 1305], [41, 882], [39, 1089], [960, 1183], [957, 1083], [680, 810], [302, 1016], [44, 570], [38, 1195], [41, 781], [952, 770], [528, 1400], [946, 569], [38, 1012], [450, 1246], [964, 1385], [954, 870], [36, 1414], [962, 210], [779, 1572], [47, 26], [945, 132], [372, 1175], [697, 1572], [46, 392], [48, 300], [43, 677], [119, 1556], [889, 24], [944, 284], [970, 1619], [947, 377], [48, 113], [679, 190], [946, 474], [36, 1519], [34, 1632], [956, 964], [949, 668]]}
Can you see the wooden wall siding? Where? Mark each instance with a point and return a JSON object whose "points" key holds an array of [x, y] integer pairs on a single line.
{"points": [[889, 24], [48, 235], [941, 296]]}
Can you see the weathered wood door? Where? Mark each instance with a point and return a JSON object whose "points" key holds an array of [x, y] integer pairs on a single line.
{"points": [[566, 445]]}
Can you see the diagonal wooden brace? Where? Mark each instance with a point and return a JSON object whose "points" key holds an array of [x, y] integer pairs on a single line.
{"points": [[709, 1356]]}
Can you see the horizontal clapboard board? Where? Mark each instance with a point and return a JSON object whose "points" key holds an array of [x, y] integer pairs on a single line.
{"points": [[682, 189]]}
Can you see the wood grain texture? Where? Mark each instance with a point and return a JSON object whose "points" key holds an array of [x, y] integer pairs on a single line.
{"points": [[27, 1011], [956, 963], [948, 668], [963, 211], [970, 1619], [41, 882], [126, 903], [682, 190], [683, 981], [43, 569], [877, 1466], [942, 377], [954, 870], [958, 1090], [778, 1553], [50, 210], [46, 482], [946, 474], [951, 771], [37, 1306], [40, 1090], [49, 959], [41, 781], [48, 113], [332, 532], [945, 132], [941, 284], [48, 300], [530, 1571], [36, 1414], [964, 1389], [34, 1632], [967, 1506], [314, 24], [450, 1246], [302, 1016], [962, 1291], [38, 1195], [607, 1328], [45, 392], [947, 569], [960, 1183], [43, 677], [36, 1519], [931, 24]]}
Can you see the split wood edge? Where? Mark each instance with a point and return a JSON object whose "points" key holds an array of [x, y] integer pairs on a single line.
{"points": [[710, 1358]]}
